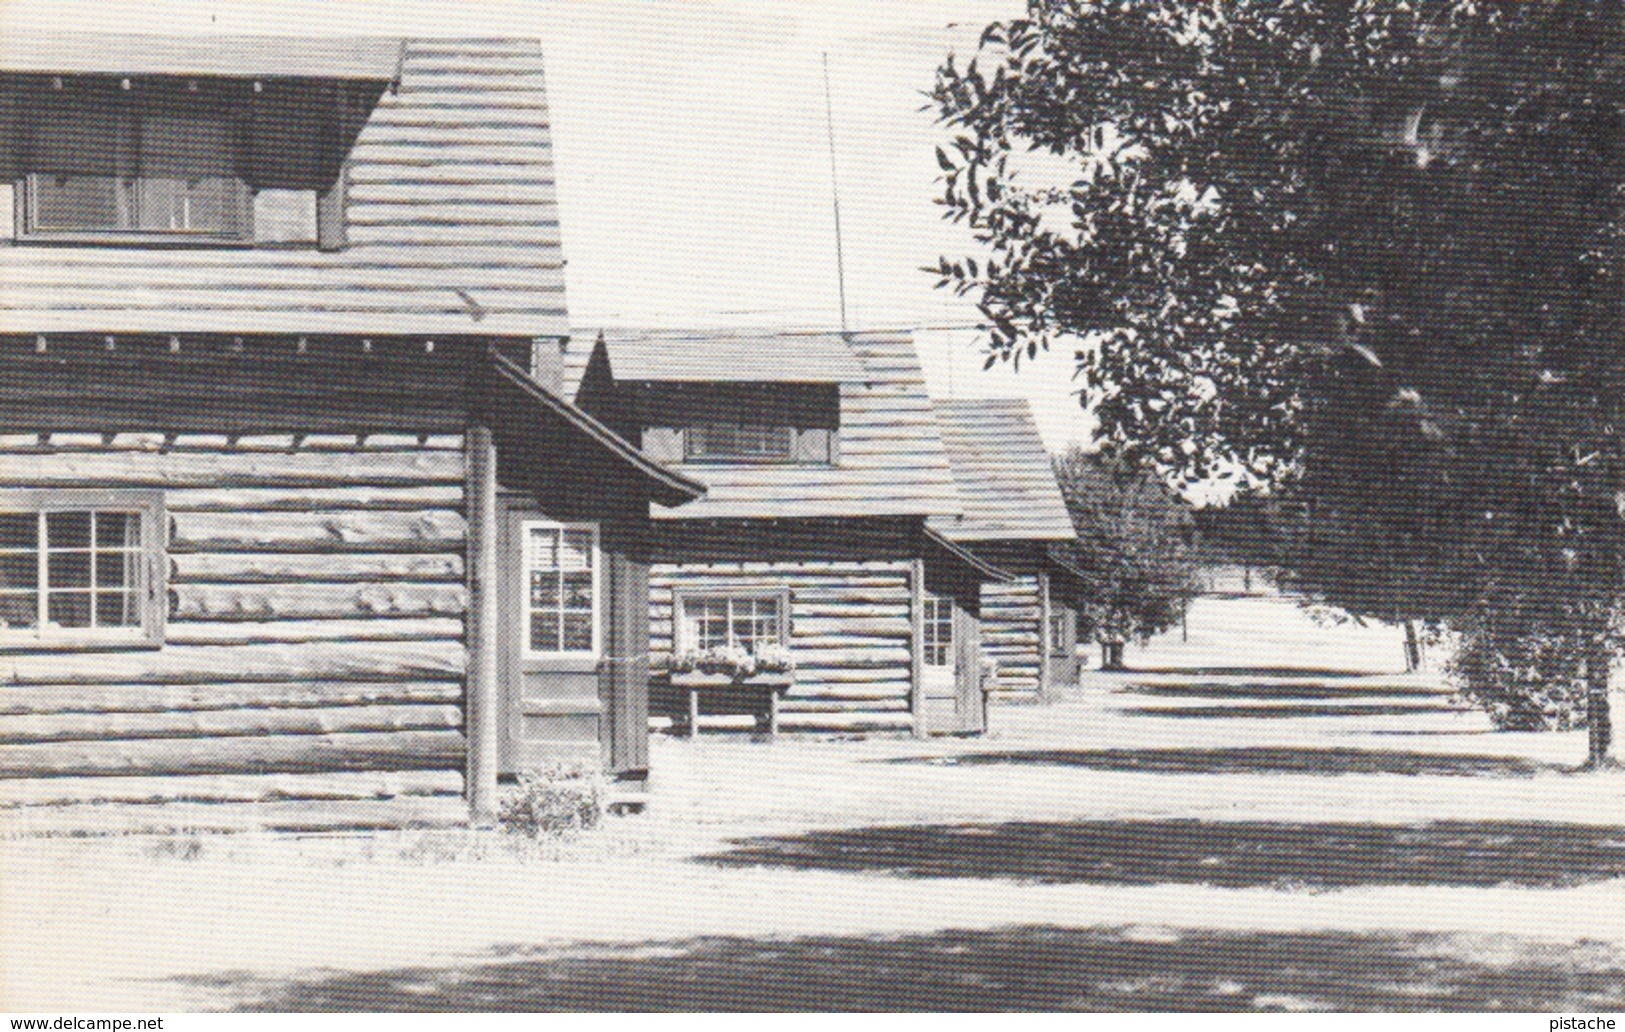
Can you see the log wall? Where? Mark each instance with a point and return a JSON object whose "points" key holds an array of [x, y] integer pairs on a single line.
{"points": [[1010, 634], [849, 633], [315, 624]]}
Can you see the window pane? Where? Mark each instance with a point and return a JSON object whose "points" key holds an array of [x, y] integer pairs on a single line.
{"points": [[118, 530], [19, 572], [543, 549], [576, 554], [577, 632], [209, 205], [68, 569], [115, 570], [578, 590], [19, 530], [544, 589], [544, 632], [19, 611], [69, 609], [67, 530], [77, 202], [116, 609]]}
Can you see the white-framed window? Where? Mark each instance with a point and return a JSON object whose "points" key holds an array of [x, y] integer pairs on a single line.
{"points": [[748, 620], [939, 631], [81, 568], [563, 601]]}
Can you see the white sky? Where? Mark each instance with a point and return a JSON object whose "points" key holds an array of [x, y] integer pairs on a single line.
{"points": [[693, 160]]}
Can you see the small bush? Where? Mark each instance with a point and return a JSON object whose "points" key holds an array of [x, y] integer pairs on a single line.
{"points": [[559, 798]]}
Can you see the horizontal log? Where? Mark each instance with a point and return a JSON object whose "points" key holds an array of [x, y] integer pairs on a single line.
{"points": [[290, 499], [196, 601], [891, 688], [307, 816], [215, 664], [821, 674], [800, 609], [255, 567], [218, 632], [92, 727], [816, 626], [224, 788], [158, 698], [845, 594], [870, 657], [221, 469], [328, 531], [272, 754], [800, 642]]}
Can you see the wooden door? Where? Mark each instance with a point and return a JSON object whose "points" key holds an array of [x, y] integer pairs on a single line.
{"points": [[970, 701], [555, 586], [951, 676]]}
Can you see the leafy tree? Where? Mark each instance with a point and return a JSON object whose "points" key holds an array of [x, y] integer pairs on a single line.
{"points": [[1134, 547], [1365, 251]]}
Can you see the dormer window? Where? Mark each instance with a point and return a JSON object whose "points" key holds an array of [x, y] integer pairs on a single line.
{"points": [[139, 174], [727, 442], [176, 161], [735, 423]]}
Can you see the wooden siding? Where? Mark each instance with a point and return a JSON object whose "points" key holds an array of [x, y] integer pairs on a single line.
{"points": [[452, 228], [299, 643], [1002, 473]]}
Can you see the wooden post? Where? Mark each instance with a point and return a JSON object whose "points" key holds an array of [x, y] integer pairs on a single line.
{"points": [[916, 645], [482, 719], [1045, 664]]}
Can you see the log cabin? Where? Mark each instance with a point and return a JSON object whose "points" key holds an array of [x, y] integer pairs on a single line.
{"points": [[291, 507], [822, 463], [1012, 512]]}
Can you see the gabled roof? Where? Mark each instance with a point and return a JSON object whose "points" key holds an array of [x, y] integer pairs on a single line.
{"points": [[75, 53], [890, 458], [1006, 485], [730, 356], [453, 224]]}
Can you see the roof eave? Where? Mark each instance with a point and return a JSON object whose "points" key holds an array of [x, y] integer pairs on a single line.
{"points": [[667, 487]]}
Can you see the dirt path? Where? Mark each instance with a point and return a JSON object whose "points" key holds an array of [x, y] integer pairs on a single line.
{"points": [[1200, 839]]}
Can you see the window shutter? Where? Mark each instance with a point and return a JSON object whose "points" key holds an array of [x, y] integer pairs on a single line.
{"points": [[815, 446], [332, 229], [663, 443]]}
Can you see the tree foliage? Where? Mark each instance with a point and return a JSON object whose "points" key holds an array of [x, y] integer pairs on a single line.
{"points": [[1133, 545], [1365, 251]]}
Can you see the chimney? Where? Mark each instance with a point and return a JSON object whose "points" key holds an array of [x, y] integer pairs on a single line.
{"points": [[547, 362]]}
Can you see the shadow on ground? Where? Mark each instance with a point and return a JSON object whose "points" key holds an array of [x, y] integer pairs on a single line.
{"points": [[1282, 712], [1017, 968], [1244, 671], [1259, 759], [1275, 690], [1229, 854]]}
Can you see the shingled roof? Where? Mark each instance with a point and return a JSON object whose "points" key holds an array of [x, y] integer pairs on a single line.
{"points": [[452, 219], [892, 461], [1006, 485]]}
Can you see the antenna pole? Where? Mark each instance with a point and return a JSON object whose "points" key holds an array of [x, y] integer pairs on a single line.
{"points": [[835, 194]]}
